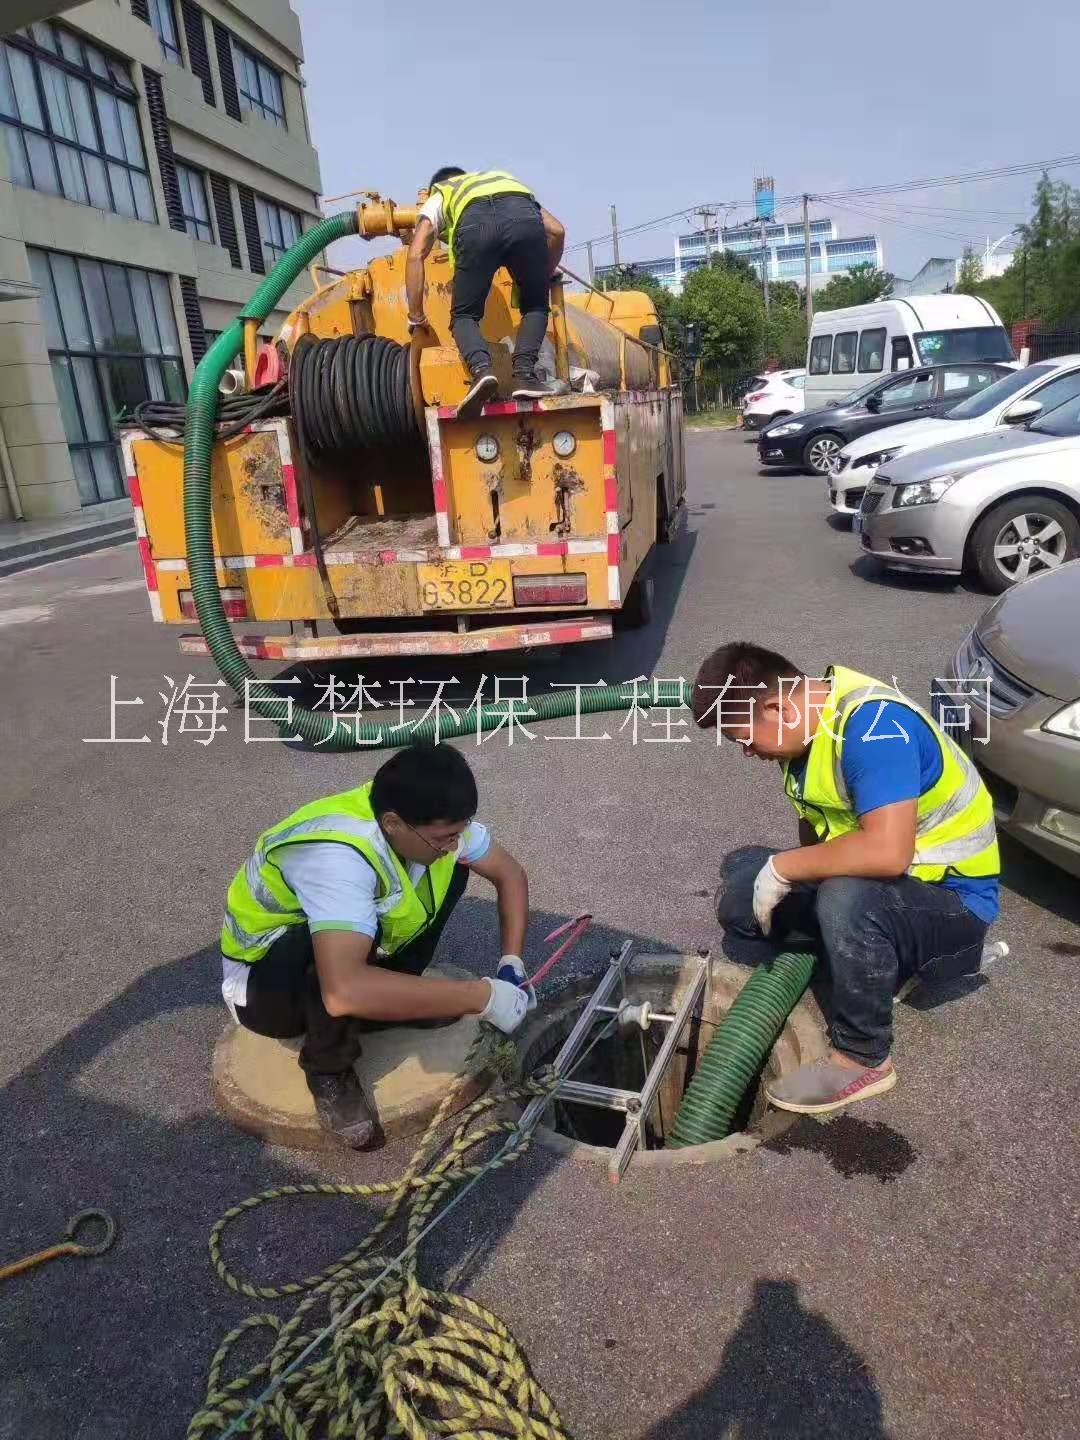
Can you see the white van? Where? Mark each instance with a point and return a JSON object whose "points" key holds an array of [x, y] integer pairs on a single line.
{"points": [[849, 346]]}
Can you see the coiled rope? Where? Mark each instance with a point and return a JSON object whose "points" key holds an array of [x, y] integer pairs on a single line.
{"points": [[402, 1359], [350, 393]]}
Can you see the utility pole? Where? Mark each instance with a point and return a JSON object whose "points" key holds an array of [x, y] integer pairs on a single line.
{"points": [[615, 235], [707, 213], [592, 271], [764, 269], [806, 253]]}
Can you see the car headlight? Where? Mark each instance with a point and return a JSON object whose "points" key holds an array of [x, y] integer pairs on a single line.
{"points": [[877, 457], [775, 433], [922, 492], [1065, 722]]}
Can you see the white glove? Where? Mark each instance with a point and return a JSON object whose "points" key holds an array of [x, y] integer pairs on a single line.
{"points": [[507, 1007], [769, 889], [512, 970]]}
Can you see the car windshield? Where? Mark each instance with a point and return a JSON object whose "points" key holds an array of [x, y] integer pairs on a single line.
{"points": [[856, 395], [959, 347], [986, 400], [1064, 421]]}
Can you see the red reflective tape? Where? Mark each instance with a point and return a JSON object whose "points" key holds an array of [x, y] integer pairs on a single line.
{"points": [[611, 493], [135, 491], [439, 486], [609, 447], [147, 559], [508, 407], [447, 412], [476, 552], [613, 549], [292, 505], [263, 561], [305, 561], [552, 547]]}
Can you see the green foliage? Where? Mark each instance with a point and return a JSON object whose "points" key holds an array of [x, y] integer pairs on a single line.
{"points": [[785, 329], [727, 310], [1043, 281], [861, 285], [971, 273]]}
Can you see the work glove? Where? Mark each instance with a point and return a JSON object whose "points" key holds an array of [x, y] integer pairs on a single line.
{"points": [[513, 971], [507, 1007], [769, 889]]}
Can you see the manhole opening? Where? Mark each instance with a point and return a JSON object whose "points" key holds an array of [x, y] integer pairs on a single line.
{"points": [[620, 1061]]}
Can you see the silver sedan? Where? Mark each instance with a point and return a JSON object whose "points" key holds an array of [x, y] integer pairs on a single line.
{"points": [[1005, 505]]}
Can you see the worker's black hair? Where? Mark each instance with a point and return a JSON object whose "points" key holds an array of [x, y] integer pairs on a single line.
{"points": [[425, 783], [446, 173], [746, 664]]}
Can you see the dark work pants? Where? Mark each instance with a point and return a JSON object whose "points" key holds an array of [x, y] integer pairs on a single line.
{"points": [[493, 232], [871, 936], [284, 999]]}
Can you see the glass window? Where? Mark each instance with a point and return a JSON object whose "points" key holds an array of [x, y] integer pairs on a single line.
{"points": [[820, 354], [960, 380], [872, 351], [1057, 392], [279, 228], [918, 390], [1002, 390], [951, 347], [901, 353], [58, 147], [843, 360], [797, 382], [193, 202], [112, 343], [164, 23], [259, 85]]}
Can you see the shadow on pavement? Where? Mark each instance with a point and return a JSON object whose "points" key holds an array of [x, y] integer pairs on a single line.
{"points": [[865, 567], [117, 1114], [785, 1372], [1037, 880]]}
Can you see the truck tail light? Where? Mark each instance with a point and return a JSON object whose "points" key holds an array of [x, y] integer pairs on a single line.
{"points": [[551, 589], [232, 602]]}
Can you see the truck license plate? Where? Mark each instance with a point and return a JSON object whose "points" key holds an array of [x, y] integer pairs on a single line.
{"points": [[466, 585]]}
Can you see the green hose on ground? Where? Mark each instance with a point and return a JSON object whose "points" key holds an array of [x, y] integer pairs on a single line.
{"points": [[738, 1049], [324, 729]]}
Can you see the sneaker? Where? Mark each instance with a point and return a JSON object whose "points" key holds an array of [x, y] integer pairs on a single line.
{"points": [[536, 386], [344, 1109], [484, 388], [823, 1086]]}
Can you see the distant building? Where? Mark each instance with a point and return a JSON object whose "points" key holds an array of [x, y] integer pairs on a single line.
{"points": [[783, 253], [941, 274]]}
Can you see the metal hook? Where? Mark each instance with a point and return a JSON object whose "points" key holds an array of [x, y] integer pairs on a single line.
{"points": [[89, 1216]]}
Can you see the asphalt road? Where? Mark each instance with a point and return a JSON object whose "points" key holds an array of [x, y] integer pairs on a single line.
{"points": [[907, 1271]]}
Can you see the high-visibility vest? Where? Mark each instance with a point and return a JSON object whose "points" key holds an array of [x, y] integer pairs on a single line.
{"points": [[260, 905], [461, 190], [954, 821]]}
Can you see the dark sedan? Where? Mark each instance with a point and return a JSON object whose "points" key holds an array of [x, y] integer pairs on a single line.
{"points": [[813, 440]]}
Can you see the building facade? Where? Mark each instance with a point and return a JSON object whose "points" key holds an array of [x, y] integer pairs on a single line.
{"points": [[155, 161], [782, 255], [942, 274]]}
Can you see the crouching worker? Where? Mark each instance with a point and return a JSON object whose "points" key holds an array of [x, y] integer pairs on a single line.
{"points": [[896, 872], [331, 923]]}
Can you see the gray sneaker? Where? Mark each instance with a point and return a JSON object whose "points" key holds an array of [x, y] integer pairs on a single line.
{"points": [[823, 1086], [484, 388], [538, 386]]}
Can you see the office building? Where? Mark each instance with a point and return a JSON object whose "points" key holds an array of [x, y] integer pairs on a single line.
{"points": [[155, 161]]}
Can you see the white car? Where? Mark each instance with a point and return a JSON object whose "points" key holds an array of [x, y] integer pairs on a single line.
{"points": [[772, 396], [1015, 398]]}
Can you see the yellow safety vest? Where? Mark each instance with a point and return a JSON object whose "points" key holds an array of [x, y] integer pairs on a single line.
{"points": [[260, 905], [954, 820], [461, 190]]}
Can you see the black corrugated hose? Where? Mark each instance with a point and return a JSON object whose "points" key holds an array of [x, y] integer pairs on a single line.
{"points": [[350, 393], [166, 421]]}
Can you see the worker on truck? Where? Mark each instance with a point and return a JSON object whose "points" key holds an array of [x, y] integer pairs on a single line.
{"points": [[896, 873], [331, 923], [488, 219]]}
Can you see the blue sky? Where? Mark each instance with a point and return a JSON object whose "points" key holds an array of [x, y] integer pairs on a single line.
{"points": [[666, 105]]}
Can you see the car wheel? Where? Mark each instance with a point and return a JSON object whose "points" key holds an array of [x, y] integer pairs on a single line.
{"points": [[1022, 537], [820, 452]]}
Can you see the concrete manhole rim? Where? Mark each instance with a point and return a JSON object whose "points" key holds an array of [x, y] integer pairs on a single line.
{"points": [[804, 1032]]}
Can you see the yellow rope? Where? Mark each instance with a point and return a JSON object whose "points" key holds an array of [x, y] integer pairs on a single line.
{"points": [[408, 1360]]}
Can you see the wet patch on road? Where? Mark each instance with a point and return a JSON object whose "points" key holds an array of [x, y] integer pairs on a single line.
{"points": [[25, 614], [853, 1147]]}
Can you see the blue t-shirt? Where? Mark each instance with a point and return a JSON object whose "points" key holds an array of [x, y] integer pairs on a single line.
{"points": [[891, 754]]}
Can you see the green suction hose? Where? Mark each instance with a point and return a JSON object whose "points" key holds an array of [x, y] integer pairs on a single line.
{"points": [[322, 728], [738, 1049]]}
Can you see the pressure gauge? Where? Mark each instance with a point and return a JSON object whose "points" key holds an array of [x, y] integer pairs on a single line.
{"points": [[564, 444], [487, 448]]}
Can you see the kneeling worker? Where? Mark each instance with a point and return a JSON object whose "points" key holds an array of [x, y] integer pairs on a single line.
{"points": [[488, 220], [332, 921], [896, 873]]}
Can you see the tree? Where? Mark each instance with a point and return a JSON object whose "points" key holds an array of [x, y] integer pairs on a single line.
{"points": [[785, 329], [971, 273], [725, 306], [861, 285]]}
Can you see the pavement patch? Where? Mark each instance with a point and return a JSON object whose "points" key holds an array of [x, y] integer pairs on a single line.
{"points": [[853, 1147]]}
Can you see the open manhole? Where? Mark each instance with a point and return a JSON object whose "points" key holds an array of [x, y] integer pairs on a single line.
{"points": [[622, 1060]]}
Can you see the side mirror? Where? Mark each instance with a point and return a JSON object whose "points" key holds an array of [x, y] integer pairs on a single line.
{"points": [[1021, 411], [651, 334], [873, 402]]}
